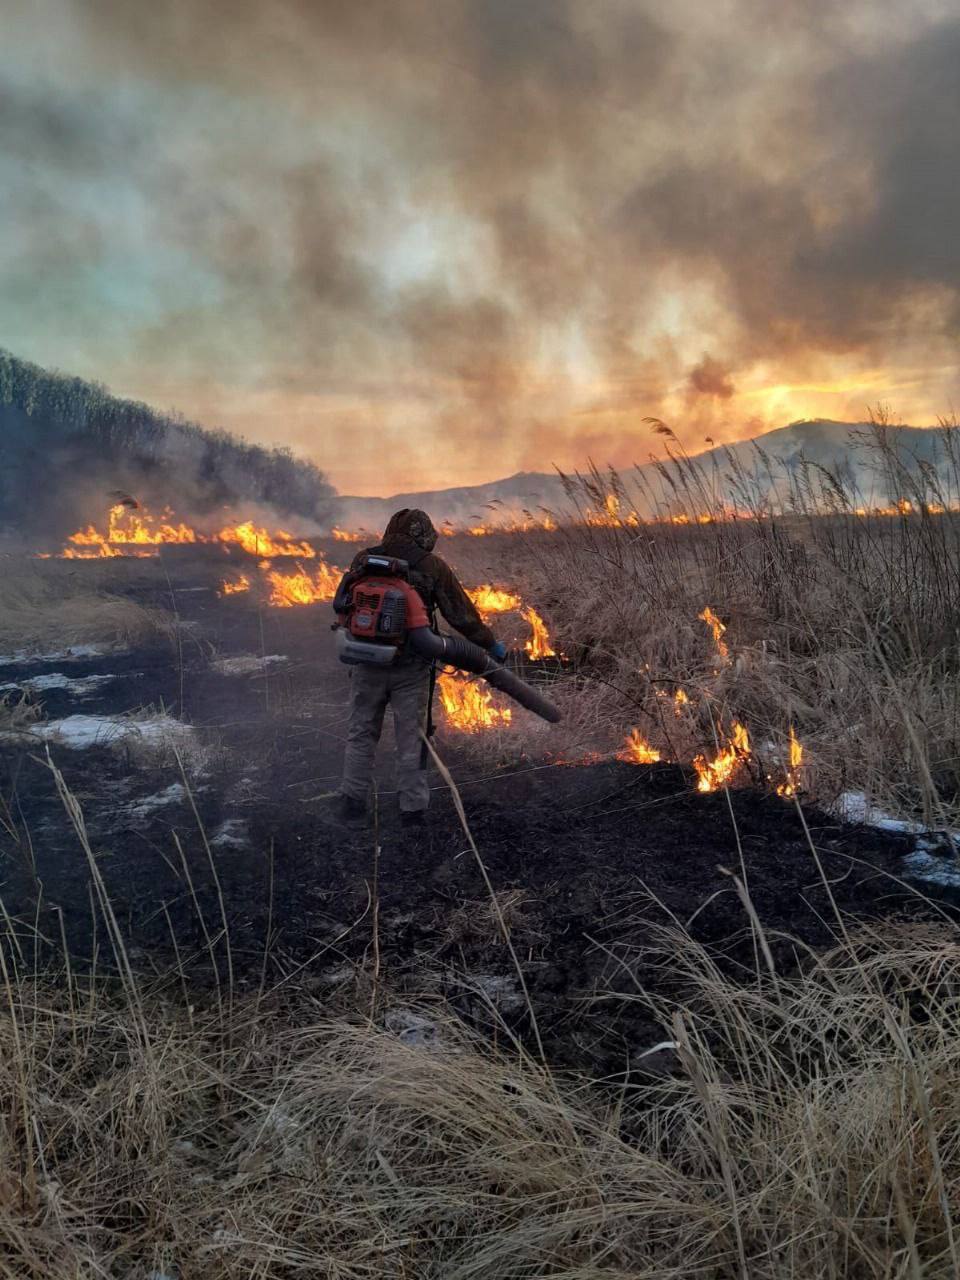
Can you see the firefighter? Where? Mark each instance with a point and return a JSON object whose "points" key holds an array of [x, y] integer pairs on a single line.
{"points": [[407, 684]]}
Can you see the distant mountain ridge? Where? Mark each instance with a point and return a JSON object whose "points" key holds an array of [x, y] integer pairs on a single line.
{"points": [[841, 448]]}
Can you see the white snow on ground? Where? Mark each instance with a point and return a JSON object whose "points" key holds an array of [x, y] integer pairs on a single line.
{"points": [[246, 664], [79, 732], [853, 806], [921, 863], [81, 686], [76, 653], [174, 794]]}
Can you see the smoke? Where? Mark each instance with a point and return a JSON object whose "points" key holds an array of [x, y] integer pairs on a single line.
{"points": [[710, 378], [430, 241]]}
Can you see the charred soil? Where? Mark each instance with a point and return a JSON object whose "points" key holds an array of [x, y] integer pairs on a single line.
{"points": [[232, 842]]}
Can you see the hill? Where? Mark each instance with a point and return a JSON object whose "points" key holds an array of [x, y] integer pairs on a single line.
{"points": [[767, 466], [67, 444]]}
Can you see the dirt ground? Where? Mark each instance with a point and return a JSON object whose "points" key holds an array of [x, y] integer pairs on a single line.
{"points": [[587, 861]]}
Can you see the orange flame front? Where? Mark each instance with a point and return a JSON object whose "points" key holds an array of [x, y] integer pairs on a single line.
{"points": [[538, 646], [489, 599], [636, 750], [718, 628], [258, 542], [236, 586], [716, 773], [792, 784], [303, 587], [468, 705], [140, 533]]}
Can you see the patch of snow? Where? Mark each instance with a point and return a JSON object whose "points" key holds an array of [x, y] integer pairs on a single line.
{"points": [[922, 865], [246, 664], [75, 653], [853, 806], [79, 732], [230, 834], [174, 794], [82, 686]]}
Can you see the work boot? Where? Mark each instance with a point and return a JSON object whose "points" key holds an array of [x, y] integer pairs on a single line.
{"points": [[349, 808]]}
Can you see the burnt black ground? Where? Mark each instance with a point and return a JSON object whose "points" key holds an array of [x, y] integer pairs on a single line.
{"points": [[586, 859]]}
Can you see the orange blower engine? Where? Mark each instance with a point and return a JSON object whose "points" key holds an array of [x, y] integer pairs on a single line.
{"points": [[377, 608]]}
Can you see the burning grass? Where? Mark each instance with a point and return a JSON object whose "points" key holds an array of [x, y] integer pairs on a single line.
{"points": [[827, 626]]}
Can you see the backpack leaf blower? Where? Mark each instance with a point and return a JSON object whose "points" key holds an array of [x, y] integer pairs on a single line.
{"points": [[380, 613]]}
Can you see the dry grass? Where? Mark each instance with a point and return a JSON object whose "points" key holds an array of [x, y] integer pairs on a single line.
{"points": [[811, 1129], [842, 626], [52, 605], [18, 712]]}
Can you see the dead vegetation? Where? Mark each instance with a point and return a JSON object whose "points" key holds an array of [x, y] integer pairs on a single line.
{"points": [[53, 605], [839, 622], [796, 1124], [808, 1126]]}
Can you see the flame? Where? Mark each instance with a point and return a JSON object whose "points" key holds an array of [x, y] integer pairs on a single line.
{"points": [[469, 705], [538, 646], [233, 588], [303, 587], [611, 517], [792, 784], [489, 599], [126, 529], [140, 533], [680, 700], [716, 773], [479, 531], [258, 542], [718, 628], [636, 750], [342, 535]]}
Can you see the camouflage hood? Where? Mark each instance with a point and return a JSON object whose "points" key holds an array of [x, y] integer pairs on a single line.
{"points": [[411, 525]]}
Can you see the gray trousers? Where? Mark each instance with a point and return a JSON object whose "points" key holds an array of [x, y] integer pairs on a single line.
{"points": [[407, 688]]}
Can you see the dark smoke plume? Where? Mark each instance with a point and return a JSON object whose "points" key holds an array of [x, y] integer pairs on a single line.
{"points": [[438, 240]]}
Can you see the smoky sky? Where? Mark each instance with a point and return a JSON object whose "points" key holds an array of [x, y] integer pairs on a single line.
{"points": [[431, 242]]}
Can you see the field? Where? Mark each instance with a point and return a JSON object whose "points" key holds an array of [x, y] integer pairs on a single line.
{"points": [[667, 990]]}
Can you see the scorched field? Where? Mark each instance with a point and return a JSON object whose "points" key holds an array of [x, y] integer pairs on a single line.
{"points": [[667, 989]]}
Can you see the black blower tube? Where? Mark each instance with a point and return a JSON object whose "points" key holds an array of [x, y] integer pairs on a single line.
{"points": [[460, 653]]}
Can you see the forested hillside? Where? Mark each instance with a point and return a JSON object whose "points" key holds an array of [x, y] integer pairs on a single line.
{"points": [[66, 444]]}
